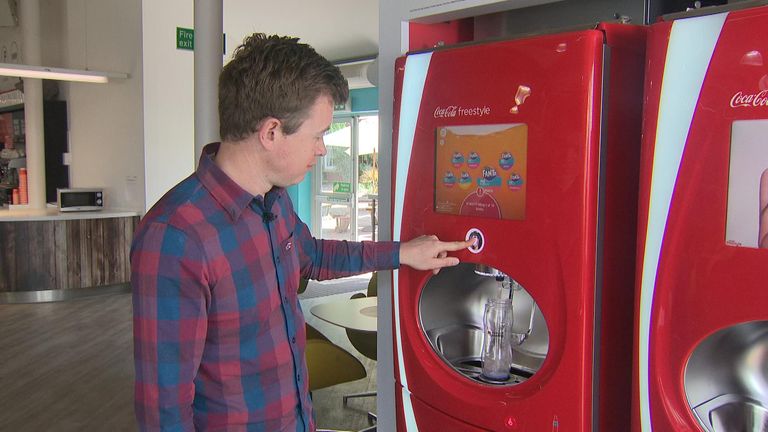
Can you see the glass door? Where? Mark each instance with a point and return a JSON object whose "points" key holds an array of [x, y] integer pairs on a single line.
{"points": [[367, 177], [346, 181], [334, 183]]}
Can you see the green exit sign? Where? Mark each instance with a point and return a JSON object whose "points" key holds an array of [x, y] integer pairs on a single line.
{"points": [[342, 187], [185, 38]]}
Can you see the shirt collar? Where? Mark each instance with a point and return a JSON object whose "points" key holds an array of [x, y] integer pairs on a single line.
{"points": [[224, 190]]}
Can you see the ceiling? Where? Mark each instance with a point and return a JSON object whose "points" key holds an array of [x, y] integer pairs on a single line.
{"points": [[337, 29]]}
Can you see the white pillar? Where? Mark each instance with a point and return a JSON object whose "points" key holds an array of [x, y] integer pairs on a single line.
{"points": [[393, 42], [209, 43], [29, 16]]}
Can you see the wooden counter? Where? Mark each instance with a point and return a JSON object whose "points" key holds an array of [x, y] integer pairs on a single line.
{"points": [[47, 250]]}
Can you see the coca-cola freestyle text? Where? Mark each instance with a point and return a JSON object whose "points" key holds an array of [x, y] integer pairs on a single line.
{"points": [[459, 111], [746, 100]]}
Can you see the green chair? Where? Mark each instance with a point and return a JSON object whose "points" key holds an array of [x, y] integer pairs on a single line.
{"points": [[327, 363], [364, 342]]}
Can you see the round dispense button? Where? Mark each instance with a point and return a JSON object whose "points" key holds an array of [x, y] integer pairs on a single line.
{"points": [[476, 235]]}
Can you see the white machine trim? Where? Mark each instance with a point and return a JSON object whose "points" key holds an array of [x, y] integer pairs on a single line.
{"points": [[416, 67], [691, 44]]}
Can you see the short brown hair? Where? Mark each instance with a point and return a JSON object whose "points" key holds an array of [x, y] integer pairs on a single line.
{"points": [[274, 76]]}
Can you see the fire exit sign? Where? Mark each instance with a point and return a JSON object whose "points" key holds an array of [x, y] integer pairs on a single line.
{"points": [[185, 38]]}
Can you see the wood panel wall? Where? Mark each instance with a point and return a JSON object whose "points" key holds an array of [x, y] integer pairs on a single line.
{"points": [[65, 254]]}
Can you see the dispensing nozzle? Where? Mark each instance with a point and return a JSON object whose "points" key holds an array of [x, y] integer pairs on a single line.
{"points": [[486, 270], [501, 277]]}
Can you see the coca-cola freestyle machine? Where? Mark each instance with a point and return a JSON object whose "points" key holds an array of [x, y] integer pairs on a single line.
{"points": [[530, 147], [702, 309]]}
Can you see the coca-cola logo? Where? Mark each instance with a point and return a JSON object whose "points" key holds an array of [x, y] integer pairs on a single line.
{"points": [[461, 111], [449, 111], [741, 99]]}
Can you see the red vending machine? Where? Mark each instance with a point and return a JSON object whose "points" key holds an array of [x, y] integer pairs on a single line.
{"points": [[531, 147], [702, 306]]}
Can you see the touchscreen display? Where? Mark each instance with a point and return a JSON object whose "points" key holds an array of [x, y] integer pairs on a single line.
{"points": [[747, 217], [480, 170]]}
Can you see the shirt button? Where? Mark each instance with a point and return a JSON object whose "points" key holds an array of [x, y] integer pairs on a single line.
{"points": [[298, 377], [293, 339], [277, 259], [285, 299]]}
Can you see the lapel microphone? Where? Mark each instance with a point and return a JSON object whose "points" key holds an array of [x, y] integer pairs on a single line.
{"points": [[268, 216]]}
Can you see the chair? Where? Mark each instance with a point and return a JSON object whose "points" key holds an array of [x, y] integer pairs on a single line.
{"points": [[327, 363], [364, 342]]}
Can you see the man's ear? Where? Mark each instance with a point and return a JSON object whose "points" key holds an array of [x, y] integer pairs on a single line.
{"points": [[269, 132]]}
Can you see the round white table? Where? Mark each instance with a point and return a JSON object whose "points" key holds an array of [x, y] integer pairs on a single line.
{"points": [[355, 314]]}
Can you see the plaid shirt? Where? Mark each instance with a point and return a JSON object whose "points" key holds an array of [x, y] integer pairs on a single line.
{"points": [[219, 336]]}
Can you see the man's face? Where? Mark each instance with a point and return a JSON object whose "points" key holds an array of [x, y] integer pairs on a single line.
{"points": [[298, 152]]}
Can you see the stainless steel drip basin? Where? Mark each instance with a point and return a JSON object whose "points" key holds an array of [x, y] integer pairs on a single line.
{"points": [[451, 311], [726, 379]]}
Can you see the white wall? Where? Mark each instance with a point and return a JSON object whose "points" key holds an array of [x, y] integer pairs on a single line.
{"points": [[168, 97], [105, 122], [133, 137]]}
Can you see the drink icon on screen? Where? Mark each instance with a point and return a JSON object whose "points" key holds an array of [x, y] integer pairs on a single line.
{"points": [[474, 160], [515, 182], [490, 178], [449, 179], [457, 159], [506, 161], [465, 181]]}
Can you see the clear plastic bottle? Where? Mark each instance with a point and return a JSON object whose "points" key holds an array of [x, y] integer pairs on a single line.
{"points": [[497, 340]]}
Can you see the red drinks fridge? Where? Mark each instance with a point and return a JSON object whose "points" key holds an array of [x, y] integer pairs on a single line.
{"points": [[531, 147], [702, 305]]}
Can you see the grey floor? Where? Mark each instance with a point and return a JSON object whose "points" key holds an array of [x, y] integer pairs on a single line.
{"points": [[67, 366]]}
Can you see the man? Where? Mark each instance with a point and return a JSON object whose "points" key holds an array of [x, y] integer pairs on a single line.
{"points": [[219, 335]]}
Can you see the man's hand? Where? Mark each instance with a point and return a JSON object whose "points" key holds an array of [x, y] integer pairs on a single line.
{"points": [[429, 253]]}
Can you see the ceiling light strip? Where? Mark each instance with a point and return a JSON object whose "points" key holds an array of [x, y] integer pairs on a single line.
{"points": [[62, 74]]}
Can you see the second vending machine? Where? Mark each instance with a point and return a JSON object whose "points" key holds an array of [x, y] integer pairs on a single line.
{"points": [[530, 147], [702, 305]]}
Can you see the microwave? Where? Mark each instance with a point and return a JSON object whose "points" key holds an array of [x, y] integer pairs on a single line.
{"points": [[80, 199]]}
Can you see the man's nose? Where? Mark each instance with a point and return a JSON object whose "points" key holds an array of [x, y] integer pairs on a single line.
{"points": [[321, 150]]}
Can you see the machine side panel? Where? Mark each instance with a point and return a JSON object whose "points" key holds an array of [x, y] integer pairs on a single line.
{"points": [[654, 70], [623, 114], [410, 81]]}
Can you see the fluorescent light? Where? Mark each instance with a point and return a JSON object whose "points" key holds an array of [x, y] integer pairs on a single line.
{"points": [[52, 73]]}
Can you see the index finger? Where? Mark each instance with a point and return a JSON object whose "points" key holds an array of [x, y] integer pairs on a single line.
{"points": [[457, 245]]}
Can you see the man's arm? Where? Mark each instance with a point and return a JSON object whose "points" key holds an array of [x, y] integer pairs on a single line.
{"points": [[170, 301], [429, 253], [331, 259], [328, 259]]}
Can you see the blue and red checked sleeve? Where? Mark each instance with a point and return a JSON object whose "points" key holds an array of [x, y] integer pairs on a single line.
{"points": [[330, 259], [170, 302]]}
